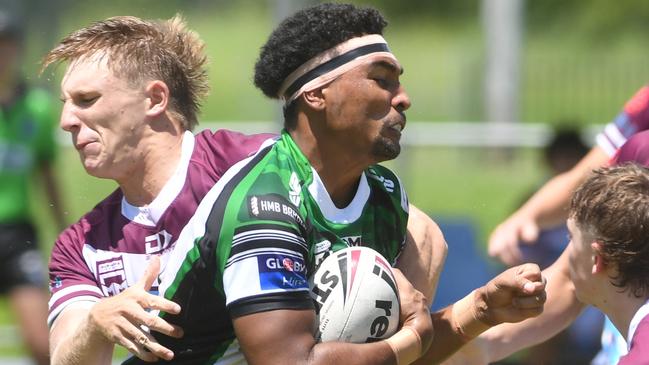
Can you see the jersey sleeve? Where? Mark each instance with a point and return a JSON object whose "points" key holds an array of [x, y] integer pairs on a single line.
{"points": [[264, 266], [639, 348], [636, 149], [70, 278], [633, 118]]}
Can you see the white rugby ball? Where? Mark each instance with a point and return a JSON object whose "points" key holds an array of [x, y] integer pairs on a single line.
{"points": [[356, 297]]}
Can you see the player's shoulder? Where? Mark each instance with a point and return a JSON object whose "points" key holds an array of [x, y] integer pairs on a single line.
{"points": [[222, 149], [383, 178], [225, 139], [95, 222], [636, 149]]}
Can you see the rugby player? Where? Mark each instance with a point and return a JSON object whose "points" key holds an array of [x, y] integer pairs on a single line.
{"points": [[318, 188], [563, 304], [548, 207], [129, 125]]}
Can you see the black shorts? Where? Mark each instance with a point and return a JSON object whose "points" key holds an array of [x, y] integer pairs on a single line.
{"points": [[21, 262]]}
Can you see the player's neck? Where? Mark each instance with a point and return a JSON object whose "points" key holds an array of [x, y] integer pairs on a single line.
{"points": [[620, 308], [161, 155], [339, 172]]}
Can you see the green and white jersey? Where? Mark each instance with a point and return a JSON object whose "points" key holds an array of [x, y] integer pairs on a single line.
{"points": [[27, 127], [271, 223]]}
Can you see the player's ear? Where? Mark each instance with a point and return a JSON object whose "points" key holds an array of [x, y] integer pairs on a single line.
{"points": [[599, 264], [157, 93], [314, 99]]}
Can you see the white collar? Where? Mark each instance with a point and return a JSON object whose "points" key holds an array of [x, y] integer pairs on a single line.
{"points": [[635, 321], [151, 213], [332, 213]]}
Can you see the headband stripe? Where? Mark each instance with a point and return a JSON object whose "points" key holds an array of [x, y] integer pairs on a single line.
{"points": [[335, 63]]}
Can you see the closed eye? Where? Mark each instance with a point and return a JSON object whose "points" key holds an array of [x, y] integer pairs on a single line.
{"points": [[386, 83], [86, 101]]}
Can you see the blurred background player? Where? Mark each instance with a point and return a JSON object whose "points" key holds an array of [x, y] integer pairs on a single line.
{"points": [[563, 304], [548, 206], [563, 152], [27, 146]]}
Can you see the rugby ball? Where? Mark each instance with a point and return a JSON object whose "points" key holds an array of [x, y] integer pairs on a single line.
{"points": [[356, 297]]}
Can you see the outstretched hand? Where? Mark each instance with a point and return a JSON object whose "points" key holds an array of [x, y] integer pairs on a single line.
{"points": [[516, 294], [505, 240], [125, 319]]}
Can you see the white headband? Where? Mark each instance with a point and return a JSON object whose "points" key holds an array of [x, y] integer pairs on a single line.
{"points": [[330, 64]]}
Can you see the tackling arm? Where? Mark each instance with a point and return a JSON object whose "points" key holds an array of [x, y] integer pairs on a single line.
{"points": [[545, 208], [86, 335], [561, 309], [71, 342], [512, 296]]}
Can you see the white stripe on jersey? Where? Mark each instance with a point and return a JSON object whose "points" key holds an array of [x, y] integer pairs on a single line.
{"points": [[611, 139], [404, 197], [65, 291], [273, 234], [603, 142], [195, 228], [243, 279], [259, 251], [78, 299], [614, 133]]}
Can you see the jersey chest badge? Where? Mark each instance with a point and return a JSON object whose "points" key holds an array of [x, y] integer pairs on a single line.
{"points": [[112, 275], [294, 189]]}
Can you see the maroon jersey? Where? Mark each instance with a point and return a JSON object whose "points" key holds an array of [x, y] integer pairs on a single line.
{"points": [[107, 250], [638, 339], [635, 149], [633, 119]]}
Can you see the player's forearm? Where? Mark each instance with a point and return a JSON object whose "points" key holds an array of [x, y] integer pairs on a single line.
{"points": [[79, 346], [561, 308], [548, 206], [454, 326]]}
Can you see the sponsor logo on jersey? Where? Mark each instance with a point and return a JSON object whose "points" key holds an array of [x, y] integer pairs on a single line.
{"points": [[322, 251], [352, 241], [274, 207], [294, 189], [112, 276], [387, 183], [158, 242], [277, 271], [56, 283]]}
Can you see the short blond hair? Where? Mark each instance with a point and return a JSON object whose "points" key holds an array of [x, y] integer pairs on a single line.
{"points": [[140, 50]]}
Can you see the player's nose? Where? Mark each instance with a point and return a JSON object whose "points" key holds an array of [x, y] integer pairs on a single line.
{"points": [[69, 120]]}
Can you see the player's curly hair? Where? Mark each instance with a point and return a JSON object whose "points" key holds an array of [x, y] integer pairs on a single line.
{"points": [[304, 35], [612, 207], [139, 50]]}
